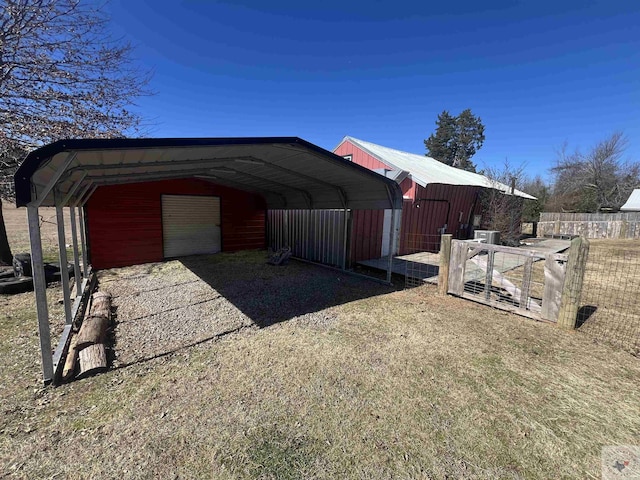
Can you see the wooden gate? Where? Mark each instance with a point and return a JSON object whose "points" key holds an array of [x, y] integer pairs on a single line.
{"points": [[523, 281]]}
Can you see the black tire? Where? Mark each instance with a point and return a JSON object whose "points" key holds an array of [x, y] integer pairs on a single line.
{"points": [[7, 272], [22, 265], [9, 286], [52, 272]]}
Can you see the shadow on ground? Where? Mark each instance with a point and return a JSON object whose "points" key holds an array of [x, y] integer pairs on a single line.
{"points": [[270, 294]]}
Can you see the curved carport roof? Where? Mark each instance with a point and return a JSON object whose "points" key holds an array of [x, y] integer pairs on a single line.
{"points": [[288, 172]]}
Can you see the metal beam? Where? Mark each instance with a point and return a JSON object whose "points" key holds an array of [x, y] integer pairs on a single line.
{"points": [[93, 188], [82, 193], [83, 241], [73, 190], [391, 252], [53, 181], [164, 163], [64, 270], [341, 194], [149, 175], [344, 243], [40, 288], [76, 257], [239, 186], [304, 193]]}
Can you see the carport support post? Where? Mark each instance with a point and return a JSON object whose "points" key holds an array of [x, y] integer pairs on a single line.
{"points": [[392, 233], [83, 241], [64, 270], [344, 241], [40, 288], [76, 259]]}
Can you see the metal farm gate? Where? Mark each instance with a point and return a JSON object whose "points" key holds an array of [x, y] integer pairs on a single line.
{"points": [[314, 235]]}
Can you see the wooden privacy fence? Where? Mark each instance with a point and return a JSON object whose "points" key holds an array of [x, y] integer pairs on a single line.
{"points": [[590, 225], [539, 285]]}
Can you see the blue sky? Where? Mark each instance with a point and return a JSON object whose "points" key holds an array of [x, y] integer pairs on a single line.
{"points": [[538, 73]]}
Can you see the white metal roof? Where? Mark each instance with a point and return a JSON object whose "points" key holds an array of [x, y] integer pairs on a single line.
{"points": [[633, 202], [425, 170], [287, 171]]}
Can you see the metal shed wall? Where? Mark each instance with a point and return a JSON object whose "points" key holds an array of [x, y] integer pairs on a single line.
{"points": [[366, 237], [426, 220], [430, 216], [125, 221], [360, 157]]}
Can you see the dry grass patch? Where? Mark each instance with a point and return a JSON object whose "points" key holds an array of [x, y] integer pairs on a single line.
{"points": [[400, 385], [15, 220], [611, 311]]}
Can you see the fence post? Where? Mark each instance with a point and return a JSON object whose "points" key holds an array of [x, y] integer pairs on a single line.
{"points": [[445, 258], [572, 289]]}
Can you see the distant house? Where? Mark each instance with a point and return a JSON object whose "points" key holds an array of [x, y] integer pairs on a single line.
{"points": [[633, 202], [437, 199]]}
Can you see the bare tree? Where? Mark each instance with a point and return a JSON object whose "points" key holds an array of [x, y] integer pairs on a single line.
{"points": [[62, 75], [503, 211], [598, 179]]}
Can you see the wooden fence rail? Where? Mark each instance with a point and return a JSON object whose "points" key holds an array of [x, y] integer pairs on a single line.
{"points": [[505, 277]]}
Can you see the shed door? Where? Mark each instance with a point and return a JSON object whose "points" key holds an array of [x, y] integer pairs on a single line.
{"points": [[190, 225]]}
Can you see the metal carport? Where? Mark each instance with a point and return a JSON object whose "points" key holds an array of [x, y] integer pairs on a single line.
{"points": [[288, 172]]}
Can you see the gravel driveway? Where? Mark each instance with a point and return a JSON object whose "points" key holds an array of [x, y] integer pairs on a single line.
{"points": [[163, 307]]}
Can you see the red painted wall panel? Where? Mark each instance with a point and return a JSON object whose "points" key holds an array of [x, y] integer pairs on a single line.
{"points": [[408, 188], [366, 237], [359, 156], [419, 226], [125, 221], [419, 230]]}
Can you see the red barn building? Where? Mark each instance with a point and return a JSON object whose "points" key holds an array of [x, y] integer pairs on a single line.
{"points": [[437, 199]]}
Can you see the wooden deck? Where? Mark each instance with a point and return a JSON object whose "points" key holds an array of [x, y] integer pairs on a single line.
{"points": [[429, 273], [430, 260]]}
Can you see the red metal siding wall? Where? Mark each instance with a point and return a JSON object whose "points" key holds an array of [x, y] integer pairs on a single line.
{"points": [[366, 236], [430, 216], [408, 188], [125, 221], [359, 156]]}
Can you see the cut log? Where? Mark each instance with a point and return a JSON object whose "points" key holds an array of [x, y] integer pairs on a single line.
{"points": [[101, 304], [92, 331], [69, 370], [94, 327], [93, 359]]}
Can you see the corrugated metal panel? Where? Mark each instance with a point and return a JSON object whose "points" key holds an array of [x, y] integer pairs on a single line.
{"points": [[425, 170], [190, 225], [125, 221], [366, 236], [287, 172], [316, 235], [360, 157]]}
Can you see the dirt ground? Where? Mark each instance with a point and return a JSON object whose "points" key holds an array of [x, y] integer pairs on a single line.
{"points": [[165, 307], [225, 367]]}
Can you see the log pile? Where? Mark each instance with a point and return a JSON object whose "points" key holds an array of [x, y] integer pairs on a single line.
{"points": [[87, 353]]}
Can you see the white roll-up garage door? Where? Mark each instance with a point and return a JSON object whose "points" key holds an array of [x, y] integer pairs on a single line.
{"points": [[190, 225]]}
